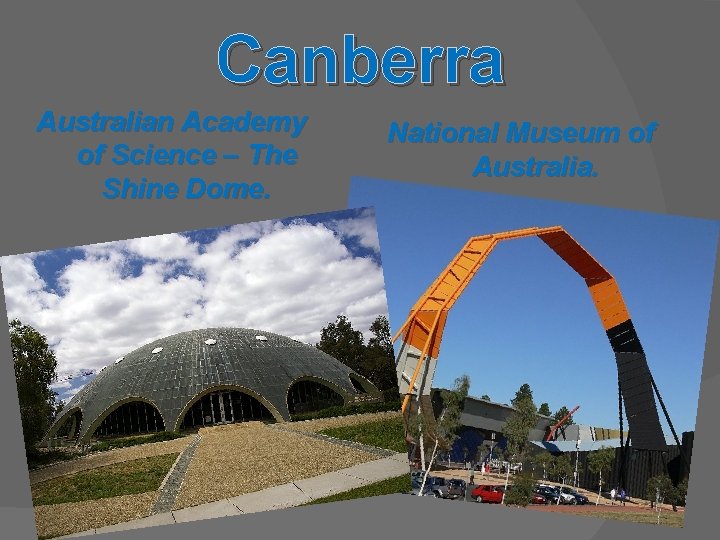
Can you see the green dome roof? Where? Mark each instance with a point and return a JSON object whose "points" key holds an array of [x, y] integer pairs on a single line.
{"points": [[172, 372]]}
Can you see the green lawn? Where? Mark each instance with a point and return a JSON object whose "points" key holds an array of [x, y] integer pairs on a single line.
{"points": [[130, 477], [388, 434], [399, 484]]}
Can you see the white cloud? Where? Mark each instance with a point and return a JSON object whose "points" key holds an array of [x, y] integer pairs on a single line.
{"points": [[60, 385], [290, 279], [24, 288], [363, 228], [164, 247]]}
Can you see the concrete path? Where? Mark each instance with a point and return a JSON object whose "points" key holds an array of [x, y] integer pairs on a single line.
{"points": [[283, 496], [170, 487]]}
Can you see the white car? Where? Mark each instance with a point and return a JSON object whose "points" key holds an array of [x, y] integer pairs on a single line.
{"points": [[565, 498]]}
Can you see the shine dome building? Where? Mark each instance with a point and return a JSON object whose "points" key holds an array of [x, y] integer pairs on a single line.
{"points": [[208, 377]]}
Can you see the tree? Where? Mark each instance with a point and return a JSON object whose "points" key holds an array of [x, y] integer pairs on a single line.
{"points": [[485, 397], [453, 401], [376, 361], [523, 393], [560, 414], [560, 468], [382, 339], [522, 491], [341, 341], [448, 424], [520, 422], [379, 359], [661, 489], [542, 460], [57, 410], [681, 492], [544, 409], [483, 451], [35, 366], [600, 461]]}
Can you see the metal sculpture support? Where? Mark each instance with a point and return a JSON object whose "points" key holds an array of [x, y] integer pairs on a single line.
{"points": [[422, 331]]}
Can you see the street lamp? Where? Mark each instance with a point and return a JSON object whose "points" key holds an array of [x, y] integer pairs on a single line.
{"points": [[492, 445], [577, 458]]}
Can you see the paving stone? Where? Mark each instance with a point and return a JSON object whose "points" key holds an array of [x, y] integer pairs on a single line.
{"points": [[328, 484], [284, 496], [173, 480], [206, 511], [84, 533], [150, 521], [374, 471]]}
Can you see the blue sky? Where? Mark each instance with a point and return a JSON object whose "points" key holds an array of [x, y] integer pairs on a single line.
{"points": [[291, 276], [528, 317]]}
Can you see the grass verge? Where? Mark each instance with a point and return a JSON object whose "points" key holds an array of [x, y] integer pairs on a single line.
{"points": [[388, 434], [127, 478], [398, 484], [670, 519]]}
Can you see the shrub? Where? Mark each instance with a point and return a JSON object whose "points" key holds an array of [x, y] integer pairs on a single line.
{"points": [[663, 486], [521, 492], [134, 441], [42, 458], [347, 410]]}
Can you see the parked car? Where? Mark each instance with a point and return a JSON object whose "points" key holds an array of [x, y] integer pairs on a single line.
{"points": [[439, 486], [551, 496], [416, 478], [495, 465], [579, 498], [435, 486], [515, 468], [456, 488], [488, 494], [427, 491], [565, 498]]}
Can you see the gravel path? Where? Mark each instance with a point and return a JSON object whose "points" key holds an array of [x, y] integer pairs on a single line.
{"points": [[241, 458], [101, 459], [225, 462], [67, 518], [320, 424]]}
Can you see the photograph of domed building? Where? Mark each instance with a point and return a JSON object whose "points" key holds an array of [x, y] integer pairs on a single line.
{"points": [[209, 377], [205, 373]]}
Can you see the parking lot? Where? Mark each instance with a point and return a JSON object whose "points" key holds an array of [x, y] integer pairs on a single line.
{"points": [[498, 479], [636, 510]]}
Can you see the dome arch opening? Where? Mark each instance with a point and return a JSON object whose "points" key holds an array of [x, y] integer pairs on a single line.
{"points": [[310, 394], [133, 415], [226, 404]]}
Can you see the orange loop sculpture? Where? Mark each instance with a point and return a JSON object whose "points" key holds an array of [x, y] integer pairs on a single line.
{"points": [[422, 331]]}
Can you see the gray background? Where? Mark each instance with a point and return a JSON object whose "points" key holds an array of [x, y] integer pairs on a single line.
{"points": [[579, 62]]}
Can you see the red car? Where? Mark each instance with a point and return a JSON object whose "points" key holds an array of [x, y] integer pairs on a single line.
{"points": [[488, 494]]}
